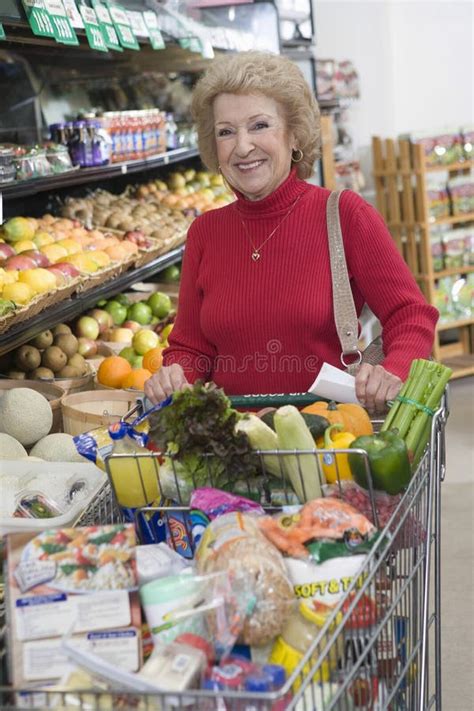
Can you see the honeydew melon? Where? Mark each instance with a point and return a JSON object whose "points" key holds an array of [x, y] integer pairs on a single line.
{"points": [[25, 415]]}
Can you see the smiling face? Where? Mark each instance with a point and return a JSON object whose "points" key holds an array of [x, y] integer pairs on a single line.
{"points": [[253, 143]]}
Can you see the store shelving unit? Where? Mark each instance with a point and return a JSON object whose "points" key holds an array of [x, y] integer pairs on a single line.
{"points": [[400, 173]]}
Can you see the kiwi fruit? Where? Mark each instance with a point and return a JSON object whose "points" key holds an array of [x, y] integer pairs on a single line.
{"points": [[61, 328], [42, 340], [27, 358], [67, 343], [54, 359], [16, 375], [77, 361], [68, 372], [41, 374]]}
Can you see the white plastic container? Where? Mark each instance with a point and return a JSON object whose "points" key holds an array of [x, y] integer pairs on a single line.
{"points": [[57, 481]]}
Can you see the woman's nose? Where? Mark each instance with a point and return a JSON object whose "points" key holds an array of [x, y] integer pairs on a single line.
{"points": [[244, 143]]}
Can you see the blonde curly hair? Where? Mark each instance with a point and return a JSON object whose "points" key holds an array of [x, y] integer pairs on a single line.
{"points": [[273, 76]]}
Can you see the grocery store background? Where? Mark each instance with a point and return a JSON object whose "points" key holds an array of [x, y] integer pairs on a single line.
{"points": [[415, 67]]}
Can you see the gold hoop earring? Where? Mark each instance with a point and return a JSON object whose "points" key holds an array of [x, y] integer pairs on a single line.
{"points": [[227, 185], [297, 152]]}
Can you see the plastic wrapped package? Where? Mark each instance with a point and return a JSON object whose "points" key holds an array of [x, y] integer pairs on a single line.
{"points": [[234, 543], [454, 245], [437, 195], [436, 247], [32, 163], [440, 147], [461, 191]]}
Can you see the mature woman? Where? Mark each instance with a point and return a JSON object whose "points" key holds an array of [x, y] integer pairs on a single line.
{"points": [[255, 308]]}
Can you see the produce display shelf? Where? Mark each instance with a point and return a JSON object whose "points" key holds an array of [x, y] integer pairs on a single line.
{"points": [[453, 271], [77, 304], [448, 325], [88, 175], [462, 365]]}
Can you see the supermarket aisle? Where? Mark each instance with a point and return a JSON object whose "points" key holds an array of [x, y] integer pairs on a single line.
{"points": [[458, 552]]}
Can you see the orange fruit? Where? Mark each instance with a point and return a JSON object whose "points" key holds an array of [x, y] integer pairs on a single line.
{"points": [[112, 371], [136, 379], [153, 359]]}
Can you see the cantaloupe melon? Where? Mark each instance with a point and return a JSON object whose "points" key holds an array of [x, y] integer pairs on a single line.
{"points": [[57, 447], [10, 448], [25, 415]]}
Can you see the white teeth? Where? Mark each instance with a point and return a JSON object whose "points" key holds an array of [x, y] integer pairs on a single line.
{"points": [[249, 166]]}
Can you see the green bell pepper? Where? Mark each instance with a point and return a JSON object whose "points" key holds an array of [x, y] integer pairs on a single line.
{"points": [[388, 459]]}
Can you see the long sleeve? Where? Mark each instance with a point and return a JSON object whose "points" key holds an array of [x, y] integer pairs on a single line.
{"points": [[386, 284], [188, 345]]}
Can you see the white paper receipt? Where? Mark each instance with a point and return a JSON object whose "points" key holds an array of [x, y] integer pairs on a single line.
{"points": [[334, 384]]}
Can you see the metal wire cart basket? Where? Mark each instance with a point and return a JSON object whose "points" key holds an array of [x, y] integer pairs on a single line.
{"points": [[381, 646]]}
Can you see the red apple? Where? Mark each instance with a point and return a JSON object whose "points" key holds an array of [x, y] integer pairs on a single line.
{"points": [[6, 251], [103, 318], [87, 348], [67, 269], [40, 259], [19, 263], [134, 326], [134, 236]]}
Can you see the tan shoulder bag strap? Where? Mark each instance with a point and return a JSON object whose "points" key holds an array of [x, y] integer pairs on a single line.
{"points": [[345, 315]]}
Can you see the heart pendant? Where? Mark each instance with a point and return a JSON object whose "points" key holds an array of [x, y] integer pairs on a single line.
{"points": [[255, 256]]}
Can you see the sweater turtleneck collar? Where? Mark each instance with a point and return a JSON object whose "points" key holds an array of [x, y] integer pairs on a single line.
{"points": [[278, 201]]}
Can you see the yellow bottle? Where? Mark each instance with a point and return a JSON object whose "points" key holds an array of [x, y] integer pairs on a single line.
{"points": [[132, 470]]}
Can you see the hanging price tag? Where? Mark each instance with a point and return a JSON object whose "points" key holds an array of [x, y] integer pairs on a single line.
{"points": [[107, 26], [2, 32], [122, 25], [38, 18], [93, 31], [137, 23], [154, 33], [73, 14], [63, 31]]}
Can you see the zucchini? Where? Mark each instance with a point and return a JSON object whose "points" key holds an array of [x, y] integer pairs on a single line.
{"points": [[303, 470], [262, 438]]}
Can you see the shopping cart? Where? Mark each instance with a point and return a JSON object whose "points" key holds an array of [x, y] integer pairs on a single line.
{"points": [[382, 640]]}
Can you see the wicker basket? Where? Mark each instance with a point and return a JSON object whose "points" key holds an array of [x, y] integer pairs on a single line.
{"points": [[83, 412], [77, 385], [52, 392], [38, 304], [98, 278]]}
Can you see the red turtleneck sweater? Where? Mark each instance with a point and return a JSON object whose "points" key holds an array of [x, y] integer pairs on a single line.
{"points": [[268, 326]]}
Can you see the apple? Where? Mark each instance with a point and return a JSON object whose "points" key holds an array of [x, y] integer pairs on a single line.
{"points": [[121, 335], [140, 312], [40, 259], [67, 269], [87, 348], [19, 263], [87, 327], [6, 251], [129, 354], [103, 318], [132, 325], [117, 311], [144, 341], [160, 304]]}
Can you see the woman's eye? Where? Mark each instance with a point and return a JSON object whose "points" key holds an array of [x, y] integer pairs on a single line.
{"points": [[223, 132], [260, 125]]}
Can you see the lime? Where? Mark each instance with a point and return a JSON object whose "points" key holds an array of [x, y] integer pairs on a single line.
{"points": [[171, 274], [160, 304]]}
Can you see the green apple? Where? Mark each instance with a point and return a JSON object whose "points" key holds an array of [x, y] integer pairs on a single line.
{"points": [[171, 274], [140, 312], [129, 354], [144, 341], [117, 311], [137, 362], [160, 304], [122, 299]]}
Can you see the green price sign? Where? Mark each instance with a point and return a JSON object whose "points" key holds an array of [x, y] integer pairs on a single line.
{"points": [[154, 32], [93, 31], [2, 32], [63, 30], [107, 26], [122, 25], [38, 18]]}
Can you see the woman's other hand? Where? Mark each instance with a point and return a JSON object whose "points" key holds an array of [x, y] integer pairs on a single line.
{"points": [[164, 382], [375, 386]]}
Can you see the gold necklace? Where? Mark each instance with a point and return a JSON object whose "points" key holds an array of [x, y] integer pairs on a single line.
{"points": [[256, 250]]}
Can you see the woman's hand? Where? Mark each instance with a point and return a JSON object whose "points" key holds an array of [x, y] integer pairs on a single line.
{"points": [[374, 386], [164, 382]]}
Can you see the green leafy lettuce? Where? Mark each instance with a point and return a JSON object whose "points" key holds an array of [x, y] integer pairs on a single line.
{"points": [[197, 430]]}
